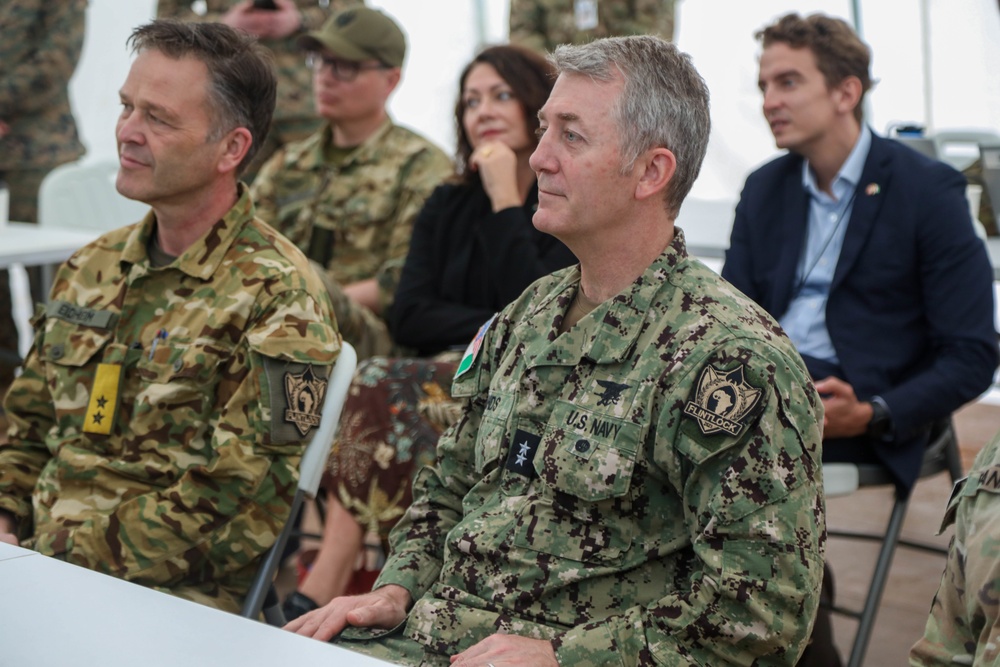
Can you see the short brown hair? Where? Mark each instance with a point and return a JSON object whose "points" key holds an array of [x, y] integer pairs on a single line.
{"points": [[241, 73], [839, 51], [530, 77]]}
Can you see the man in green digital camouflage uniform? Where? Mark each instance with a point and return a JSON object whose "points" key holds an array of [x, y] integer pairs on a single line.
{"points": [[636, 477], [277, 29], [348, 195], [545, 24], [964, 623], [40, 44], [181, 364]]}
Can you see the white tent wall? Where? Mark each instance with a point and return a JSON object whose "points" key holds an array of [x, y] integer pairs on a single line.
{"points": [[717, 33]]}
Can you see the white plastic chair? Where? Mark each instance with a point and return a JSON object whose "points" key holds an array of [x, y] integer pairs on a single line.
{"points": [[84, 196], [260, 596], [959, 147]]}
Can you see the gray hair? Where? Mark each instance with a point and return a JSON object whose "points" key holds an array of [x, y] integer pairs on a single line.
{"points": [[664, 101]]}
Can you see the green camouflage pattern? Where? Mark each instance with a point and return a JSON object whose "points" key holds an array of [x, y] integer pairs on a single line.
{"points": [[196, 477], [368, 203], [545, 24], [40, 44], [963, 627], [974, 174], [629, 536]]}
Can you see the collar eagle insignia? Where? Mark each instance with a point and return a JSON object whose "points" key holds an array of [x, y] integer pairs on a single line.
{"points": [[722, 401], [304, 394]]}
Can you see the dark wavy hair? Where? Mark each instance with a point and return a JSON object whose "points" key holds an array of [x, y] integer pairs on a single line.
{"points": [[529, 75], [839, 51], [241, 73]]}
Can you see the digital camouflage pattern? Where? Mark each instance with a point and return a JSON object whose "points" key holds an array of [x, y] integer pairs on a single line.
{"points": [[964, 623], [196, 476], [294, 113], [354, 218], [580, 500], [545, 24], [40, 44]]}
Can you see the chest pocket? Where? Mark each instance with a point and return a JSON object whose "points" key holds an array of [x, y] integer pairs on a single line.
{"points": [[492, 431], [583, 509], [177, 379], [71, 353]]}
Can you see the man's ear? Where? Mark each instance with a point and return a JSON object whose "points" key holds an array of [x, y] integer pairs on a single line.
{"points": [[849, 91], [658, 166], [234, 148]]}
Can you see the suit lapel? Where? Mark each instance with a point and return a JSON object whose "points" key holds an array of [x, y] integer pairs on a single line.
{"points": [[794, 222], [871, 193]]}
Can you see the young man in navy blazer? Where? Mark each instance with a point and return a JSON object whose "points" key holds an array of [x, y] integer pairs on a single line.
{"points": [[865, 252]]}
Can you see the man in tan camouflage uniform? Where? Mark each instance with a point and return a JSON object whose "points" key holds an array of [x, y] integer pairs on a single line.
{"points": [[277, 29], [348, 195], [181, 363], [545, 24], [40, 44], [964, 623], [636, 477]]}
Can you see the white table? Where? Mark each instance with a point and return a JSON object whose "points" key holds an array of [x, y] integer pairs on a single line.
{"points": [[22, 244], [54, 614]]}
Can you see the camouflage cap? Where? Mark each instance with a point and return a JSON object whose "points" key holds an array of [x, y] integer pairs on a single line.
{"points": [[360, 33]]}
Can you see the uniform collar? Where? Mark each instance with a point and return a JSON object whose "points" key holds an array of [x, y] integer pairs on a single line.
{"points": [[204, 256], [608, 333], [312, 152]]}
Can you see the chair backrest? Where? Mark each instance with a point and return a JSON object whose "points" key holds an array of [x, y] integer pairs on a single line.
{"points": [[310, 473], [990, 154], [924, 145], [959, 147], [84, 195]]}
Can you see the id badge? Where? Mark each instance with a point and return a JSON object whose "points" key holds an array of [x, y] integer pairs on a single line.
{"points": [[585, 14]]}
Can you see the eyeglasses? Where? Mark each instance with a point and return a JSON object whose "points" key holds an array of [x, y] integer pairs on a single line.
{"points": [[343, 70]]}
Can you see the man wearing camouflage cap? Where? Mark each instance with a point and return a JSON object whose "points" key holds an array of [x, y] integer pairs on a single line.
{"points": [[181, 363], [636, 476], [349, 194]]}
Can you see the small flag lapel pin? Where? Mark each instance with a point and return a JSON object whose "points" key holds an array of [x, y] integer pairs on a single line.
{"points": [[872, 189]]}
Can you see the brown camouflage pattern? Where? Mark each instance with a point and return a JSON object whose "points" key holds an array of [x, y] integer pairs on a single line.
{"points": [[629, 536], [193, 483]]}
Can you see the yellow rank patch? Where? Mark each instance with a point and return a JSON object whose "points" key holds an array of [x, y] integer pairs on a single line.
{"points": [[103, 399]]}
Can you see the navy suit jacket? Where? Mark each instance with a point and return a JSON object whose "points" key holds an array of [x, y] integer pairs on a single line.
{"points": [[910, 311]]}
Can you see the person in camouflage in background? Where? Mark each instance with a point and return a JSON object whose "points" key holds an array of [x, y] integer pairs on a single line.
{"points": [[349, 194], [545, 24], [40, 44], [180, 366], [277, 29], [974, 174], [963, 627], [636, 477]]}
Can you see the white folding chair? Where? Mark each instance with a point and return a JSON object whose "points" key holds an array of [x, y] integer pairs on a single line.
{"points": [[261, 596], [84, 195]]}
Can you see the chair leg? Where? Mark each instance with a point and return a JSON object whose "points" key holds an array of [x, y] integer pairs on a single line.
{"points": [[879, 579]]}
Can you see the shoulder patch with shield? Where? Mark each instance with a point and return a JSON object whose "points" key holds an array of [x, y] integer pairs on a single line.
{"points": [[723, 401]]}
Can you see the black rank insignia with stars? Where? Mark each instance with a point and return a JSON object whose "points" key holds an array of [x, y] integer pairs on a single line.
{"points": [[522, 453]]}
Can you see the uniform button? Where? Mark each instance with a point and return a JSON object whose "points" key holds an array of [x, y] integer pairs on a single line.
{"points": [[57, 352], [582, 445], [178, 365]]}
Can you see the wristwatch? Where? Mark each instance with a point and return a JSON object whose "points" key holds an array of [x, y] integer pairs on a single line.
{"points": [[880, 426]]}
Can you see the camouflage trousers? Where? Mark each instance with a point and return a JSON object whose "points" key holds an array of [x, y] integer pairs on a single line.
{"points": [[359, 326]]}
